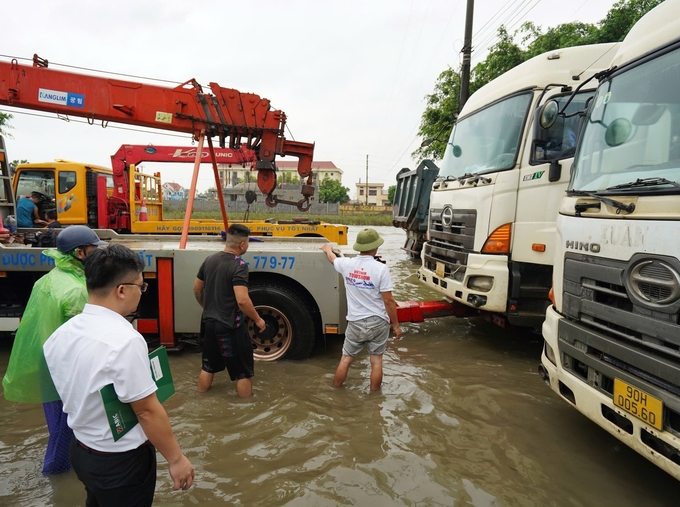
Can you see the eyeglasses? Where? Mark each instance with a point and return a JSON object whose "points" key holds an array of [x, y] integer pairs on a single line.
{"points": [[142, 286]]}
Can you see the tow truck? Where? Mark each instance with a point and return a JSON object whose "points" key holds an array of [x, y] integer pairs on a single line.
{"points": [[102, 198], [293, 286]]}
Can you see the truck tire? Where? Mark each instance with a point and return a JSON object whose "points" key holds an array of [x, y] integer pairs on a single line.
{"points": [[290, 320]]}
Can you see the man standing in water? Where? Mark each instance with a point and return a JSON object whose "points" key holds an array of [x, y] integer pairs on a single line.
{"points": [[370, 305], [221, 288]]}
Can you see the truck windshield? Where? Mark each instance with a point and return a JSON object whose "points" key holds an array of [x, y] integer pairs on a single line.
{"points": [[36, 181], [487, 140], [631, 142]]}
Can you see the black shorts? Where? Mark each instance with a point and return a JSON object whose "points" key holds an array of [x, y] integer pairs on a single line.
{"points": [[227, 348]]}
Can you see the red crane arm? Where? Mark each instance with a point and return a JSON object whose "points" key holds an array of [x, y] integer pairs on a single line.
{"points": [[129, 154], [237, 119]]}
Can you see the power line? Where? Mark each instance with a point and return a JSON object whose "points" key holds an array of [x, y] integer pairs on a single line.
{"points": [[492, 38], [94, 70], [512, 21], [500, 12]]}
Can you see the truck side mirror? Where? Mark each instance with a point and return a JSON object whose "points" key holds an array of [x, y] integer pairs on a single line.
{"points": [[548, 114], [541, 134]]}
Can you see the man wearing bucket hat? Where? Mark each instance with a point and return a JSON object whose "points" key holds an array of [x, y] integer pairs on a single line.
{"points": [[370, 305], [55, 298]]}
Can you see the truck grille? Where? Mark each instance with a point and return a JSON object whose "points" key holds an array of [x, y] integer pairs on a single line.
{"points": [[633, 309], [451, 238]]}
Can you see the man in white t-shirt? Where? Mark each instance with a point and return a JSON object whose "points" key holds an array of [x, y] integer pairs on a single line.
{"points": [[370, 305], [100, 347]]}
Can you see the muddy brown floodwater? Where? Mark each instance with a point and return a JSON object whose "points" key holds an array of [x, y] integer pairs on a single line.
{"points": [[463, 419]]}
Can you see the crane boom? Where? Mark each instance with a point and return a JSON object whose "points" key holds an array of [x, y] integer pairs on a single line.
{"points": [[238, 120]]}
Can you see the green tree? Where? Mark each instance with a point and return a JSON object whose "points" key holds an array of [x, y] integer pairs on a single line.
{"points": [[4, 124], [439, 115], [14, 164], [562, 36], [503, 56], [331, 190], [390, 193], [507, 53], [621, 18], [288, 177]]}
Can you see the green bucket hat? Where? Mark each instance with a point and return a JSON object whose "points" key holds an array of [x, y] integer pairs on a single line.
{"points": [[368, 240]]}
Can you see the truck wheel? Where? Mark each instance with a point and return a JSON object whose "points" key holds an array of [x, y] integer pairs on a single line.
{"points": [[290, 322]]}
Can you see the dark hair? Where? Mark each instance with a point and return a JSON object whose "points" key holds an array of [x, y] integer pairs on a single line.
{"points": [[105, 268], [238, 230], [51, 214]]}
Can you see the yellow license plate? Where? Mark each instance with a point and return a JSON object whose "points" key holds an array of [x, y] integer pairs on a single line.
{"points": [[440, 270], [638, 403]]}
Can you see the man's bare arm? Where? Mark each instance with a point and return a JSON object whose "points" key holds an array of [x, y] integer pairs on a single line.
{"points": [[156, 425], [199, 285], [391, 307], [36, 217], [246, 306], [328, 250]]}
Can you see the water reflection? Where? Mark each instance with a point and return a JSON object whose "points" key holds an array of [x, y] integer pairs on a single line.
{"points": [[462, 419]]}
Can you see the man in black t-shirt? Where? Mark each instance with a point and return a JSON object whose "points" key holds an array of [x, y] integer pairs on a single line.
{"points": [[221, 288]]}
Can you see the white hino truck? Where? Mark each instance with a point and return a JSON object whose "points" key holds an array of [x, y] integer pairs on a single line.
{"points": [[612, 335], [493, 205]]}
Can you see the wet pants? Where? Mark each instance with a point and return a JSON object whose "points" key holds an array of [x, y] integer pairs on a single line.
{"points": [[56, 456]]}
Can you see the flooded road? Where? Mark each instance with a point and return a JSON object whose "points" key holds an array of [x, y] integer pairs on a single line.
{"points": [[463, 419]]}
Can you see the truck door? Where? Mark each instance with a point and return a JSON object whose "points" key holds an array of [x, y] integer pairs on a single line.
{"points": [[71, 202]]}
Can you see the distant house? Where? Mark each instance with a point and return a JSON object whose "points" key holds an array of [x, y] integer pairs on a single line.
{"points": [[320, 169], [376, 193], [173, 192]]}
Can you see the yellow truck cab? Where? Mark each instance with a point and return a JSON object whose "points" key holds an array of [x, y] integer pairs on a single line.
{"points": [[68, 187]]}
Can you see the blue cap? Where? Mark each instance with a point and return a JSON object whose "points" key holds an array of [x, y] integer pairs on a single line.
{"points": [[77, 235]]}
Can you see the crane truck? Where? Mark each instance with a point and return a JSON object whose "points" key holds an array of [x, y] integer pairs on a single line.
{"points": [[494, 201], [101, 198], [612, 334], [294, 288]]}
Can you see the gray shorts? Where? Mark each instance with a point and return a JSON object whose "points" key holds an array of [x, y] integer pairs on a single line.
{"points": [[372, 331]]}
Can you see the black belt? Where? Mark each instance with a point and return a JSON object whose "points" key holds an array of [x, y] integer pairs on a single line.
{"points": [[95, 451]]}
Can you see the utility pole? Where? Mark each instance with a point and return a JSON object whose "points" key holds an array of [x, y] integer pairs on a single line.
{"points": [[366, 180], [467, 52]]}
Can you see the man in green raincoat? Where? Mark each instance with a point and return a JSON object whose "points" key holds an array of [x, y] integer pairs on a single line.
{"points": [[55, 298]]}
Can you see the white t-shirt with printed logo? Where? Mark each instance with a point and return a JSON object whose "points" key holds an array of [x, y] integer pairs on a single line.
{"points": [[365, 278], [91, 350]]}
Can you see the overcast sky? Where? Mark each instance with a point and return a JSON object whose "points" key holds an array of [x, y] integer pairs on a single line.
{"points": [[350, 75]]}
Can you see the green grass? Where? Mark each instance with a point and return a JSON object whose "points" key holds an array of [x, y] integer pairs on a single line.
{"points": [[358, 219]]}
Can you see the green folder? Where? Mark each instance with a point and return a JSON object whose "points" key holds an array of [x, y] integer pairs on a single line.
{"points": [[120, 415]]}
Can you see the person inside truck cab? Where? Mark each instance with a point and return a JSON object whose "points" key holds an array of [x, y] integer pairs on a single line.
{"points": [[51, 218], [27, 211]]}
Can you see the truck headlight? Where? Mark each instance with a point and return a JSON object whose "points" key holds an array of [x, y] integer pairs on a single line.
{"points": [[550, 353], [480, 283]]}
